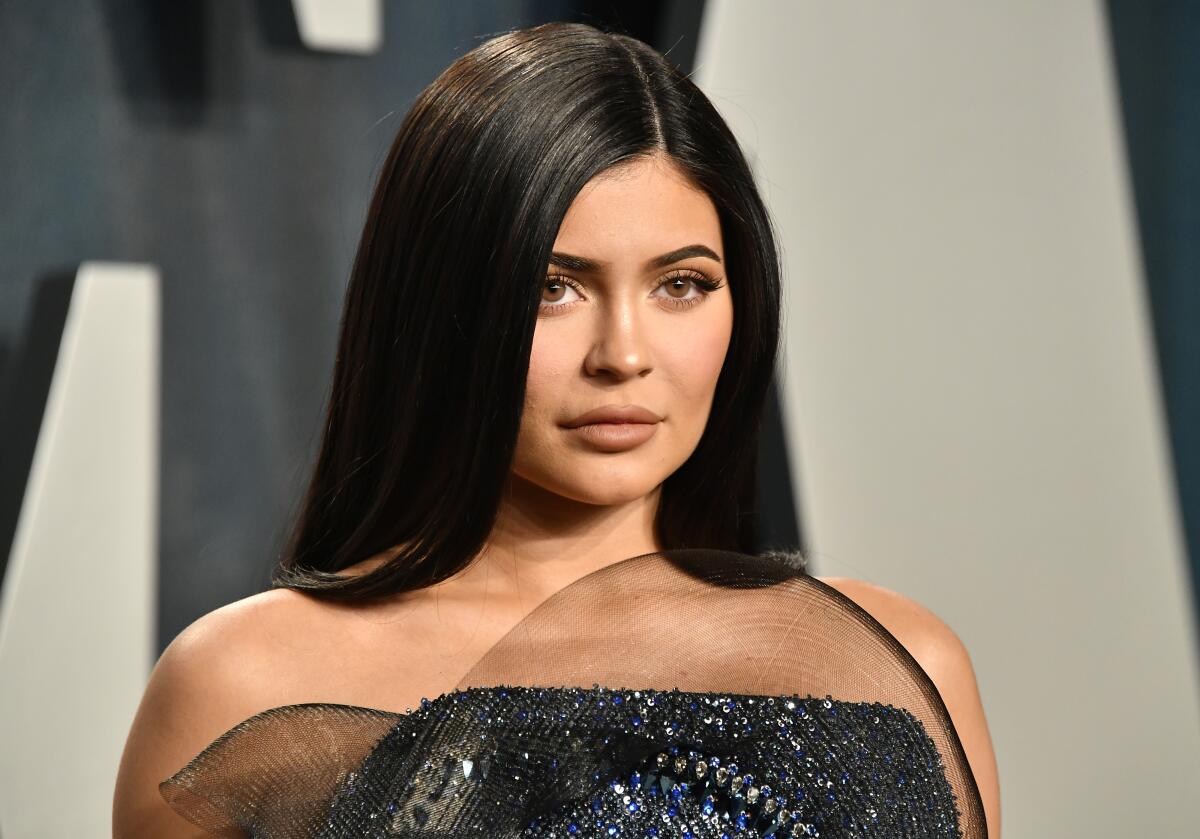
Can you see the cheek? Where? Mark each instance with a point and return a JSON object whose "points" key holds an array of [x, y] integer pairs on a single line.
{"points": [[696, 361], [545, 378]]}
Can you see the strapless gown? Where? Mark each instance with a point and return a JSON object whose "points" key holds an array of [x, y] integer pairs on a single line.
{"points": [[649, 698]]}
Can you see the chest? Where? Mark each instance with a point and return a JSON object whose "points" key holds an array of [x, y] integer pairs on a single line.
{"points": [[385, 658]]}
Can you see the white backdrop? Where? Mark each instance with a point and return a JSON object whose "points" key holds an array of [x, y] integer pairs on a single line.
{"points": [[77, 605]]}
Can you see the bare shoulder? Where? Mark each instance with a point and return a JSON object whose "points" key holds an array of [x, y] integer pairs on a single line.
{"points": [[945, 659], [219, 671], [923, 633]]}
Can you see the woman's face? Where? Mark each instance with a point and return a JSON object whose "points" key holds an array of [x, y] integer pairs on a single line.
{"points": [[627, 319]]}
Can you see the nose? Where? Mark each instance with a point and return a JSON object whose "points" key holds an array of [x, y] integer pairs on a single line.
{"points": [[621, 348]]}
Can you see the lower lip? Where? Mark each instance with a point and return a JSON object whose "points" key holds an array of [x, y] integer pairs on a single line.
{"points": [[615, 436]]}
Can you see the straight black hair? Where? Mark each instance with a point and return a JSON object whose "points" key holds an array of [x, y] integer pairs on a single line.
{"points": [[429, 382]]}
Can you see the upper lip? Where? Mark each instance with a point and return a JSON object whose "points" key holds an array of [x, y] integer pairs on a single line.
{"points": [[615, 413]]}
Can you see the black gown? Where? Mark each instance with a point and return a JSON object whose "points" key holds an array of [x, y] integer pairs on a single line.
{"points": [[687, 693]]}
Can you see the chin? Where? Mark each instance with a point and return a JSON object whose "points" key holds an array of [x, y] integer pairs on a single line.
{"points": [[603, 488]]}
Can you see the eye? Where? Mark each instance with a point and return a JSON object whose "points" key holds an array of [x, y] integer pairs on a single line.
{"points": [[680, 281], [560, 286]]}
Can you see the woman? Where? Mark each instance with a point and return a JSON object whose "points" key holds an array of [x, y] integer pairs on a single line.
{"points": [[528, 520]]}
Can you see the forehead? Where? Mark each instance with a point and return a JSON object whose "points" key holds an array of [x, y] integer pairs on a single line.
{"points": [[643, 207]]}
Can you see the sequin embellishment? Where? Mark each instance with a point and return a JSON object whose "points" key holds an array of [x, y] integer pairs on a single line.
{"points": [[651, 763]]}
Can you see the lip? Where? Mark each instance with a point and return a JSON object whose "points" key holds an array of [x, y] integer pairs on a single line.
{"points": [[615, 414], [614, 436], [615, 428]]}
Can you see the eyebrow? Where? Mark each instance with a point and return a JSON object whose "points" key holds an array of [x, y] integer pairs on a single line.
{"points": [[582, 263]]}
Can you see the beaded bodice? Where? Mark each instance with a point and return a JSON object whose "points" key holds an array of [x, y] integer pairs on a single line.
{"points": [[778, 767], [689, 728]]}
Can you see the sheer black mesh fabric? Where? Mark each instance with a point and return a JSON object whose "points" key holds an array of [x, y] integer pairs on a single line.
{"points": [[697, 621]]}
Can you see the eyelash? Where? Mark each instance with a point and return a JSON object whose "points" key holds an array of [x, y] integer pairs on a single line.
{"points": [[702, 281]]}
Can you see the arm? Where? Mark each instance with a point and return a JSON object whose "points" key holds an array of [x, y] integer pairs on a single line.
{"points": [[944, 658], [201, 686]]}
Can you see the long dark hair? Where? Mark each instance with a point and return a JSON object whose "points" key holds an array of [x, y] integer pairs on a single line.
{"points": [[429, 384]]}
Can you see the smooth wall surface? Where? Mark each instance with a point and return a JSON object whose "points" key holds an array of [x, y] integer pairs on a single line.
{"points": [[969, 379], [77, 605]]}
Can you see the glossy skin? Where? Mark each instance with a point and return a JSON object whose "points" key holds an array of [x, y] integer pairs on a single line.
{"points": [[618, 335]]}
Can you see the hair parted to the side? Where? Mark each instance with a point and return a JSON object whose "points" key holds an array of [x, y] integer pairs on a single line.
{"points": [[429, 382]]}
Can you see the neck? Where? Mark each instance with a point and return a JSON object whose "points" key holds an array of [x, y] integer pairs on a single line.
{"points": [[543, 541]]}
